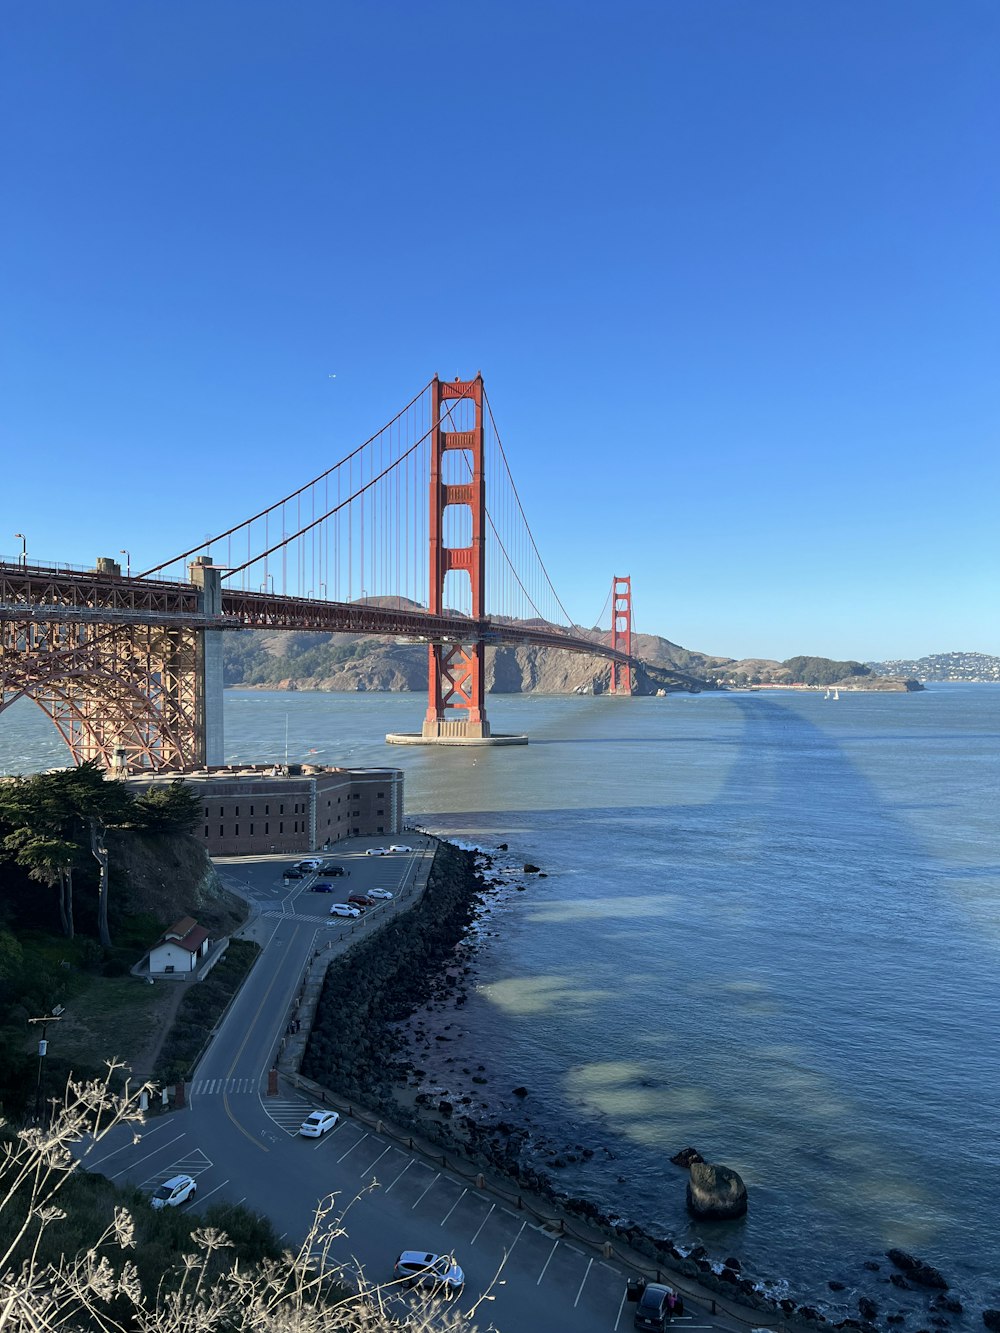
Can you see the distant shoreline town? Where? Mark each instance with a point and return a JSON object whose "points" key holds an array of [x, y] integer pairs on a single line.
{"points": [[976, 668]]}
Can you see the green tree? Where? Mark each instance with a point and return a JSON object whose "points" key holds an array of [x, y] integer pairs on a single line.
{"points": [[166, 809], [54, 820]]}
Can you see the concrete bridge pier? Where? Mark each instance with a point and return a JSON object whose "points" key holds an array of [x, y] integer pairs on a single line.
{"points": [[209, 735]]}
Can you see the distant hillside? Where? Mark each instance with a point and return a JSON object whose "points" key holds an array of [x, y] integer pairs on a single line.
{"points": [[943, 666], [306, 661], [267, 659]]}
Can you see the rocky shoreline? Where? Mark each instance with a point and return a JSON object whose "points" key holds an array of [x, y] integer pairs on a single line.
{"points": [[451, 1104]]}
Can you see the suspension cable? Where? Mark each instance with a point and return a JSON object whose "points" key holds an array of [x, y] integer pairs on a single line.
{"points": [[531, 536], [270, 508]]}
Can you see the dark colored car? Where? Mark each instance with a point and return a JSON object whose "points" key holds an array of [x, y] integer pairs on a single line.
{"points": [[328, 868], [361, 900], [294, 873], [321, 886], [654, 1308]]}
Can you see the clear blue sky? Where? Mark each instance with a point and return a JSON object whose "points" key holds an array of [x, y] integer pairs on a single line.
{"points": [[730, 271]]}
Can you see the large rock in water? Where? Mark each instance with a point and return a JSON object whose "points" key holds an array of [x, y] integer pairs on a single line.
{"points": [[917, 1270], [715, 1192]]}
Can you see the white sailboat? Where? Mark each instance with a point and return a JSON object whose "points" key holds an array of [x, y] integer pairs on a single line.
{"points": [[836, 693], [827, 695]]}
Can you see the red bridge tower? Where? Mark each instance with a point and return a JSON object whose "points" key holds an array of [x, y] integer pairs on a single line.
{"points": [[457, 677], [621, 633]]}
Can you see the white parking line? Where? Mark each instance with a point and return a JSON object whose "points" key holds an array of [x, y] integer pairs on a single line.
{"points": [[148, 1155], [573, 1248], [585, 1276], [453, 1207], [482, 1224], [546, 1264], [208, 1195], [401, 1175], [352, 1147], [514, 1241], [98, 1161], [378, 1159], [621, 1307], [430, 1186]]}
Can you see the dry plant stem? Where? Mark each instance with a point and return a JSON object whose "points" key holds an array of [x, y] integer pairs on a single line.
{"points": [[99, 1288]]}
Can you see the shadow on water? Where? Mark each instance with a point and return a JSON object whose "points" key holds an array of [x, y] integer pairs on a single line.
{"points": [[787, 973]]}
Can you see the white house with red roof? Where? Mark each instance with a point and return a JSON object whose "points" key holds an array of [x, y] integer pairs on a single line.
{"points": [[181, 948]]}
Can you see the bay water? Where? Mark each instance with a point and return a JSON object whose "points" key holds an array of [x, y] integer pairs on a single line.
{"points": [[769, 928]]}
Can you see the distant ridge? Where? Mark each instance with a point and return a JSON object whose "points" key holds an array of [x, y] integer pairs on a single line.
{"points": [[266, 659]]}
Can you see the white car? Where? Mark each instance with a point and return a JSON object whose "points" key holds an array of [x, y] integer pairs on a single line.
{"points": [[176, 1190], [377, 851], [417, 1268], [310, 863], [380, 893], [319, 1123], [395, 848], [344, 909]]}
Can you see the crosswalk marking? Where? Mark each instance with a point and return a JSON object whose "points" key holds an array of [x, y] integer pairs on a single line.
{"points": [[208, 1087]]}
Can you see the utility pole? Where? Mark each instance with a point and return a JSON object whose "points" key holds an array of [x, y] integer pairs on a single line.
{"points": [[43, 1047]]}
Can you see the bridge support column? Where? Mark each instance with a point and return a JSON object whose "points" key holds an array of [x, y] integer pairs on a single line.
{"points": [[621, 633], [456, 691], [209, 736], [456, 696]]}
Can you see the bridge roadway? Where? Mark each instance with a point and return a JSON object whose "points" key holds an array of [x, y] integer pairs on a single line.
{"points": [[243, 1146], [41, 594]]}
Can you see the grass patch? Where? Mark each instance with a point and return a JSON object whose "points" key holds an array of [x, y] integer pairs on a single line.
{"points": [[200, 1010], [111, 1016]]}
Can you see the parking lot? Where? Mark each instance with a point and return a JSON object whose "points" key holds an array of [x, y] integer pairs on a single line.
{"points": [[243, 1146]]}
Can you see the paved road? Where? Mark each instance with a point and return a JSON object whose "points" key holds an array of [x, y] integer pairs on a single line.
{"points": [[243, 1146]]}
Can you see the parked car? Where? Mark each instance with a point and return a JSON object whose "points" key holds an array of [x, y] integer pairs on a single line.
{"points": [[344, 909], [362, 900], [310, 863], [328, 868], [380, 893], [319, 1123], [176, 1190], [417, 1268], [321, 886], [293, 872], [400, 848], [654, 1308], [377, 851]]}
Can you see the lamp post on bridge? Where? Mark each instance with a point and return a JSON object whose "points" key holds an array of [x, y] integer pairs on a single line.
{"points": [[24, 548], [128, 562], [268, 579]]}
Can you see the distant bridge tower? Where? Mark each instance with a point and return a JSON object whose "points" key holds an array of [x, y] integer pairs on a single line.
{"points": [[457, 676], [621, 633]]}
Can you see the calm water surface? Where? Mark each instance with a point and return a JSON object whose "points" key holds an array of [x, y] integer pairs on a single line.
{"points": [[770, 928]]}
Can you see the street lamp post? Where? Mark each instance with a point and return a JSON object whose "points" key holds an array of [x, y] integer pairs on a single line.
{"points": [[24, 548], [128, 562], [43, 1049]]}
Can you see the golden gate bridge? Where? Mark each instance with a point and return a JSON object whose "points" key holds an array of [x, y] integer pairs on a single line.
{"points": [[419, 532]]}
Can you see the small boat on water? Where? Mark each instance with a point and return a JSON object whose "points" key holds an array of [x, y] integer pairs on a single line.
{"points": [[836, 694], [827, 695]]}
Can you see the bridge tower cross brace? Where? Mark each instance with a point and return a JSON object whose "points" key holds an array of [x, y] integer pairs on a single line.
{"points": [[621, 633], [456, 696]]}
